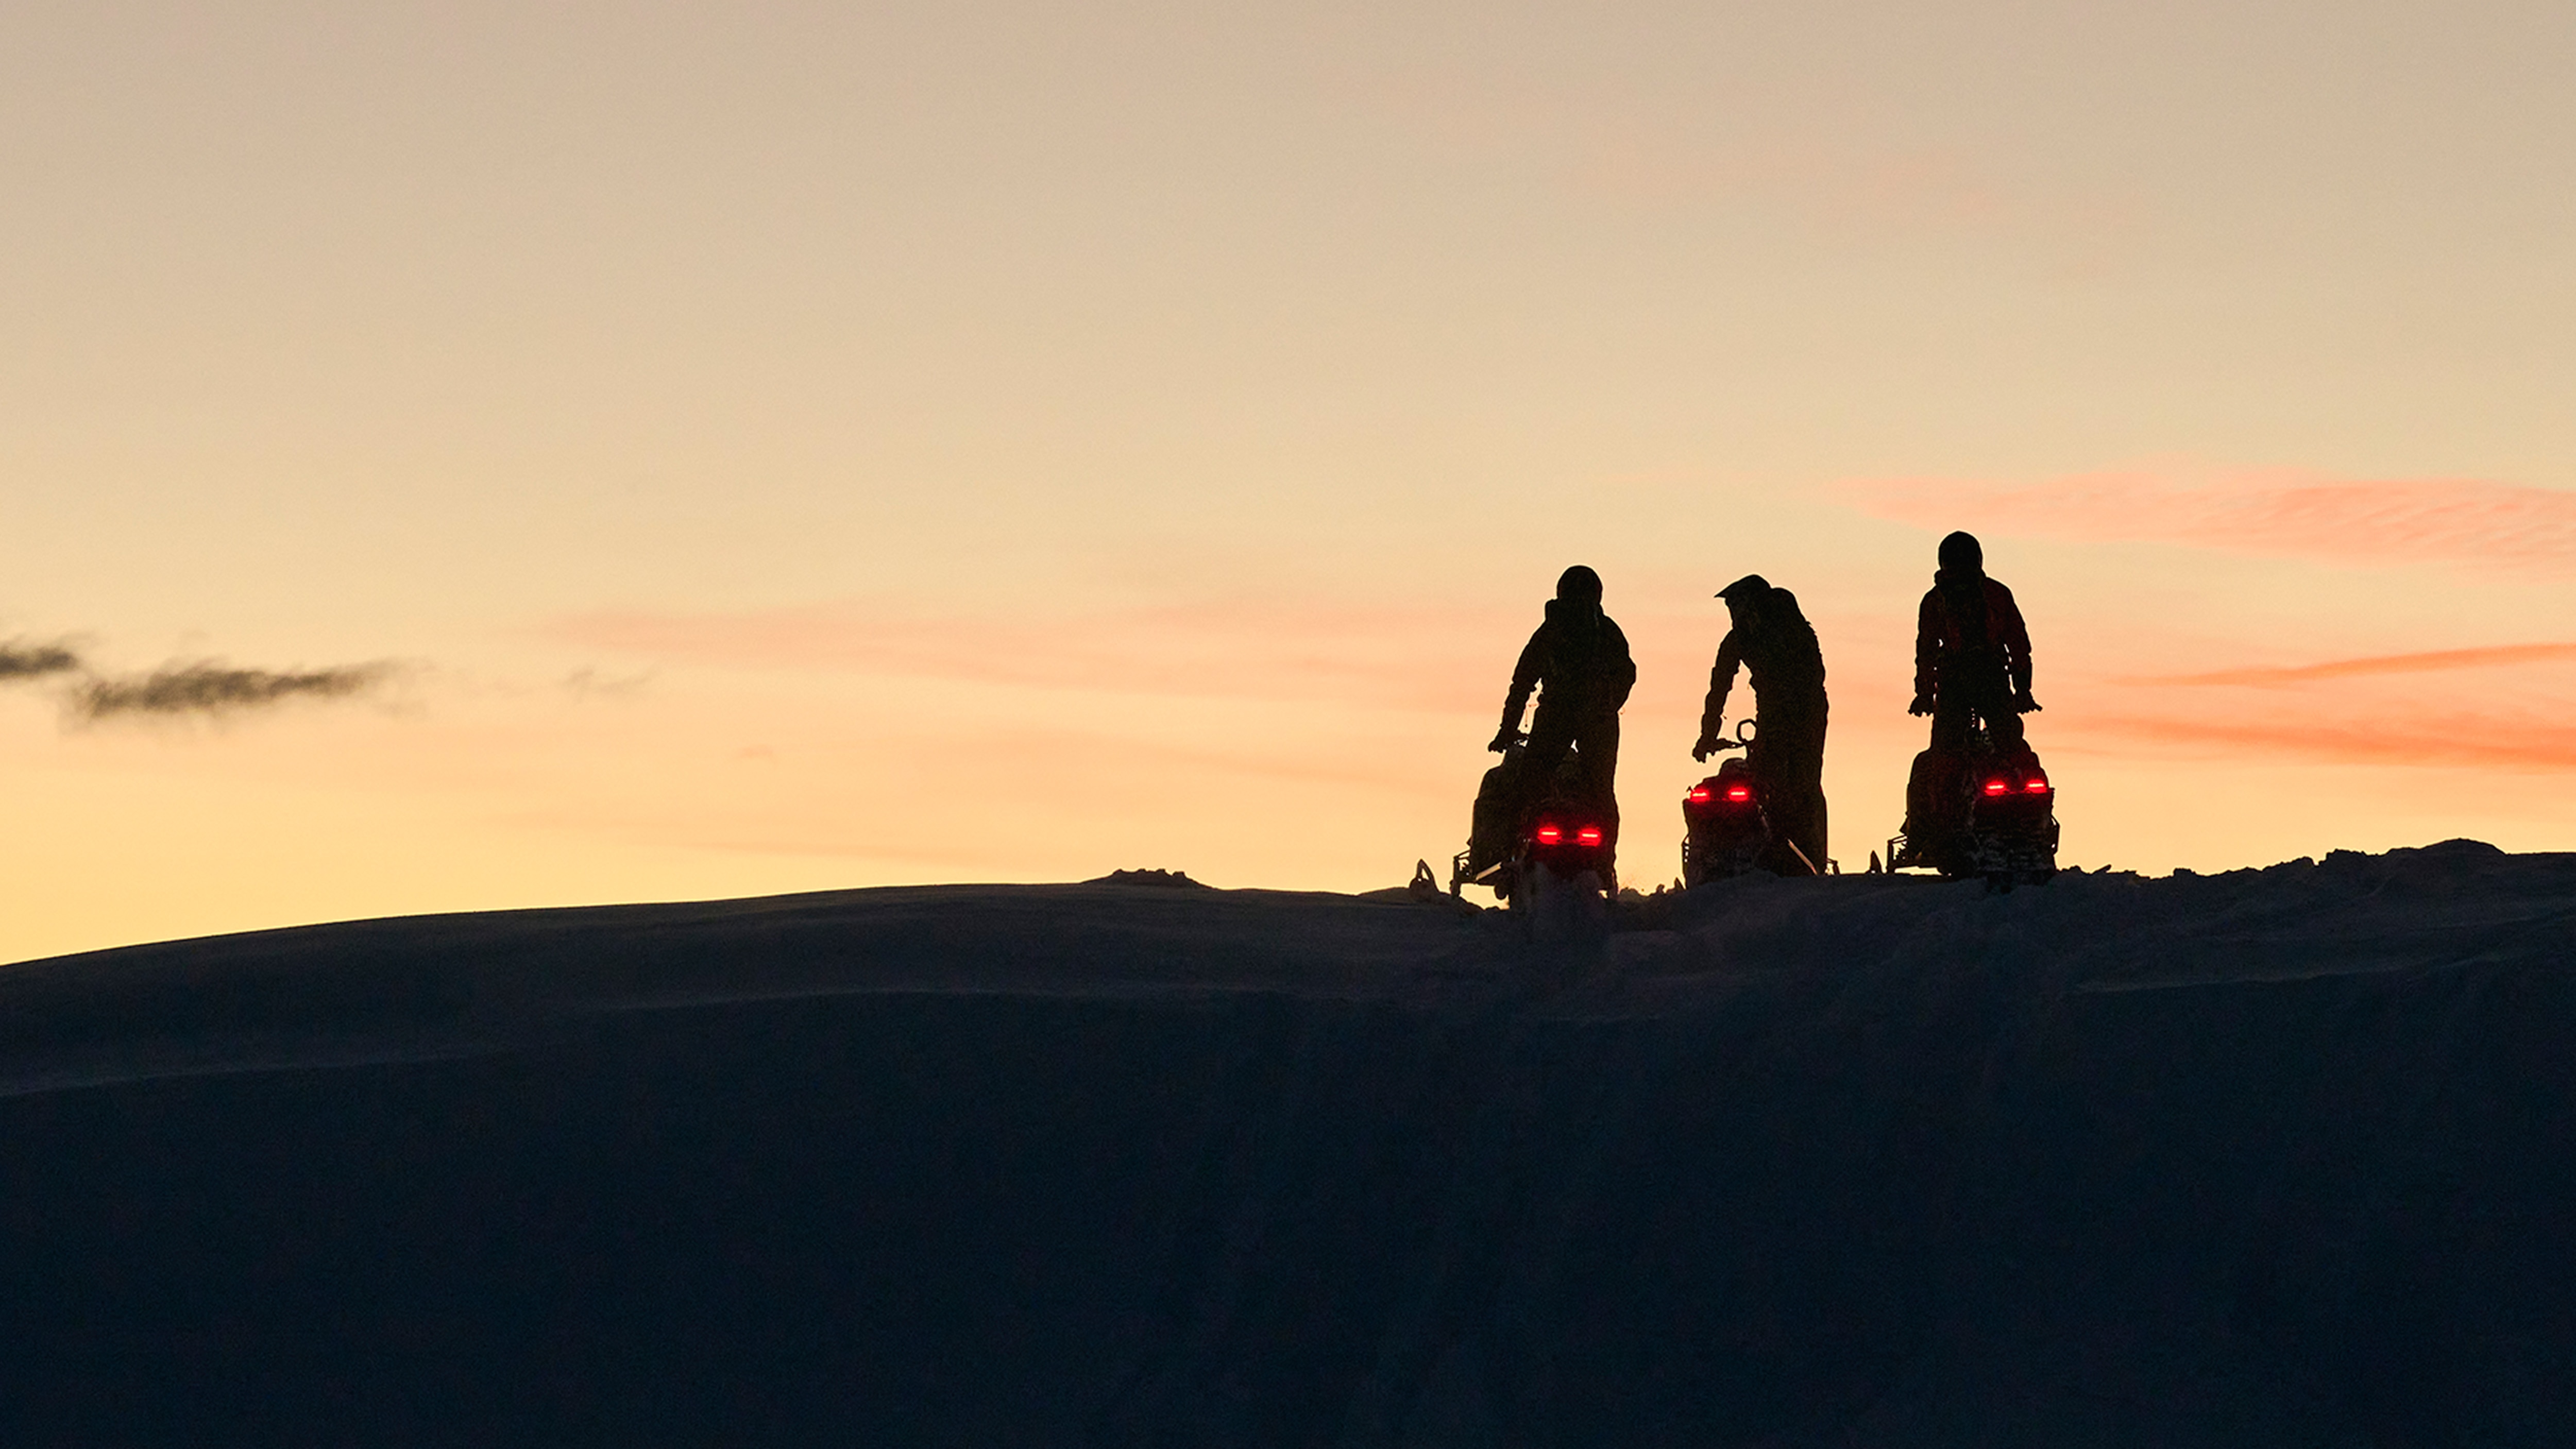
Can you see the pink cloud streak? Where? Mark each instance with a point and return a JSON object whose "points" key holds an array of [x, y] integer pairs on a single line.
{"points": [[2273, 513], [2449, 743], [2431, 661]]}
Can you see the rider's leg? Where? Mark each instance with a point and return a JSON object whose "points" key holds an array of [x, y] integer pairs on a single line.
{"points": [[2003, 726], [1954, 718], [1932, 802], [1789, 767], [1599, 744]]}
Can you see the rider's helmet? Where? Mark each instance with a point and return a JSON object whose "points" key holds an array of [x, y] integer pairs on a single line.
{"points": [[1580, 585], [1960, 553], [1745, 598]]}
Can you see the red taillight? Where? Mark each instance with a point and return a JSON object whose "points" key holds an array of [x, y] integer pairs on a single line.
{"points": [[1588, 835], [1996, 786], [1738, 793], [1699, 795], [1548, 835], [2035, 785]]}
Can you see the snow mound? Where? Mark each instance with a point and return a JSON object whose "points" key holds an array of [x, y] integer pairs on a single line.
{"points": [[2276, 1156], [1176, 878]]}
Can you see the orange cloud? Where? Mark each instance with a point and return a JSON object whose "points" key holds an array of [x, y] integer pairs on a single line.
{"points": [[2270, 513], [2450, 742], [2432, 661]]}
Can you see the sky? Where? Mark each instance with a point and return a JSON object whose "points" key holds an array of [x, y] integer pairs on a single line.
{"points": [[468, 456]]}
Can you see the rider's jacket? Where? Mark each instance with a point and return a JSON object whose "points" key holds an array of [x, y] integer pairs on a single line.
{"points": [[1969, 626], [1581, 658], [1786, 667]]}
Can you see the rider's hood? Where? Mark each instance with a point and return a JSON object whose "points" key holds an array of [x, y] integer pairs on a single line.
{"points": [[1573, 613]]}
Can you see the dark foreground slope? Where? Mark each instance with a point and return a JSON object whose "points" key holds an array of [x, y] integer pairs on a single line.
{"points": [[2273, 1158]]}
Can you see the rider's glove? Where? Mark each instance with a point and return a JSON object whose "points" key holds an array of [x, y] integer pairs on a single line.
{"points": [[2024, 704], [1503, 740], [1706, 747], [1922, 705]]}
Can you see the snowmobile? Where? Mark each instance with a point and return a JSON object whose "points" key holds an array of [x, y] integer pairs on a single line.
{"points": [[1728, 824], [1726, 831], [1530, 852], [1979, 812]]}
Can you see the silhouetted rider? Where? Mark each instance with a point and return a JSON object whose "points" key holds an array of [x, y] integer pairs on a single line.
{"points": [[1578, 662], [1771, 640], [1971, 653]]}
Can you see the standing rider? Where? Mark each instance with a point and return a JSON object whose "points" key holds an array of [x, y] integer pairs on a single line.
{"points": [[1581, 659], [1772, 640], [1971, 654]]}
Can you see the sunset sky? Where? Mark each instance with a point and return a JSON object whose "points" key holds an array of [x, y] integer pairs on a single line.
{"points": [[780, 447]]}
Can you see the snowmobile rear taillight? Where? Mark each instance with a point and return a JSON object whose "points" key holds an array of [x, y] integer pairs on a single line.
{"points": [[2035, 785], [1997, 786], [1588, 835], [1699, 795], [1548, 835], [1738, 793]]}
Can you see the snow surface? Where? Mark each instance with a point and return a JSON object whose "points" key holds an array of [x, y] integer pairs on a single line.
{"points": [[2274, 1157]]}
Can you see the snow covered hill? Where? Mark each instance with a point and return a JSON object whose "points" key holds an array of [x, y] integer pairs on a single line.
{"points": [[2277, 1157]]}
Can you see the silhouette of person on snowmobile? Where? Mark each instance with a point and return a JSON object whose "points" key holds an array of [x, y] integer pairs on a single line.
{"points": [[1769, 637], [1578, 663], [1971, 653], [1972, 676]]}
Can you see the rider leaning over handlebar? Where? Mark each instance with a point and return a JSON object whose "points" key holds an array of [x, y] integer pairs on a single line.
{"points": [[1772, 640], [1578, 661]]}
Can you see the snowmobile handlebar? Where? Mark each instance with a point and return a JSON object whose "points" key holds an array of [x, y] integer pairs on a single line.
{"points": [[1744, 733]]}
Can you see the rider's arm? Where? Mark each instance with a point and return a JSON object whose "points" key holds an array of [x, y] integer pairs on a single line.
{"points": [[1927, 646], [1524, 679], [1624, 671], [1721, 679], [2003, 617]]}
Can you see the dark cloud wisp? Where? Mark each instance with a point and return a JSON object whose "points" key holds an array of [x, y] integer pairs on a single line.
{"points": [[208, 687], [20, 659]]}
